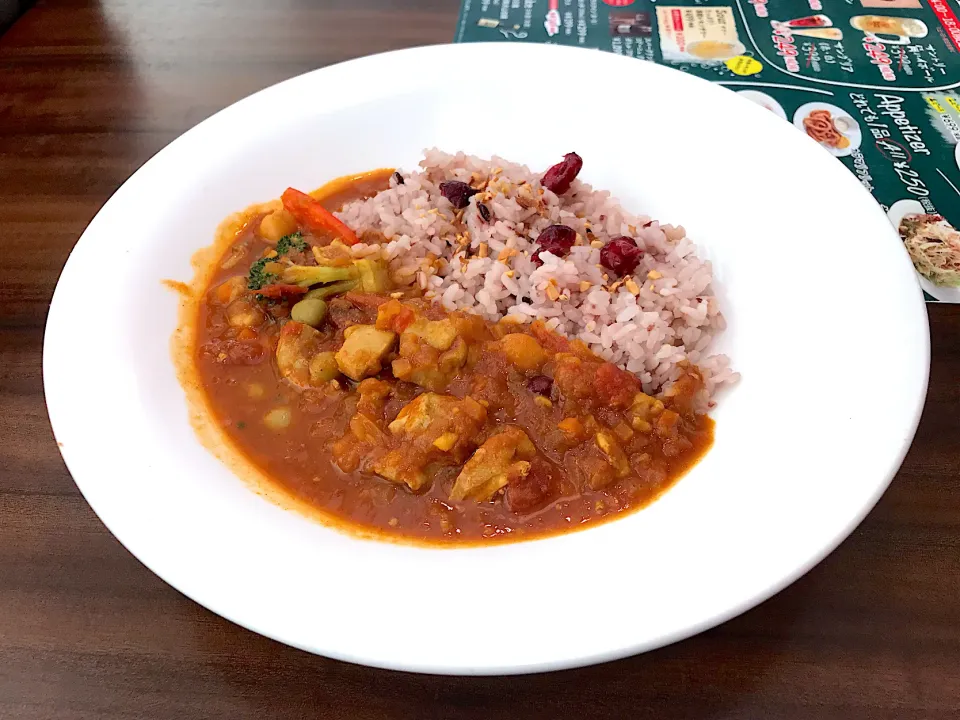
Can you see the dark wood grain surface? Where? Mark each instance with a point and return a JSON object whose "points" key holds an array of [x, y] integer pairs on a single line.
{"points": [[88, 92]]}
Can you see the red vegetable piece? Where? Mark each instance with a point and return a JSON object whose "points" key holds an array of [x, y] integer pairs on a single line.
{"points": [[282, 291], [559, 177], [616, 387], [313, 216]]}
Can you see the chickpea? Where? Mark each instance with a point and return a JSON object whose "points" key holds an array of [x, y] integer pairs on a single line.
{"points": [[278, 419], [244, 313], [277, 224]]}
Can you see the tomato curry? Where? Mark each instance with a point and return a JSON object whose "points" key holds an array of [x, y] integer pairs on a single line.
{"points": [[390, 414]]}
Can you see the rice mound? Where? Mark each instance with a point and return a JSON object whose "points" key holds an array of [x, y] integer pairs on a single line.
{"points": [[663, 315]]}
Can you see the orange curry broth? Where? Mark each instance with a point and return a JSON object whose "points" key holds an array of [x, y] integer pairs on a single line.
{"points": [[241, 383]]}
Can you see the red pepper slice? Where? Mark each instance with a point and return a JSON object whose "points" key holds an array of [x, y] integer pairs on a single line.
{"points": [[313, 216], [281, 291]]}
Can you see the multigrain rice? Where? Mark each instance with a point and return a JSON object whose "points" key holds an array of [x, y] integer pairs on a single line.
{"points": [[649, 323]]}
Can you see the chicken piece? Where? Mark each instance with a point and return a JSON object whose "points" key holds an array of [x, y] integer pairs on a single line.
{"points": [[573, 377], [363, 351], [643, 411], [683, 393], [429, 416], [439, 334], [336, 254], [244, 313], [366, 430], [431, 353], [668, 428], [503, 458], [524, 352], [363, 441], [588, 463], [613, 453], [471, 328], [401, 467], [296, 348], [373, 396], [430, 428], [491, 388]]}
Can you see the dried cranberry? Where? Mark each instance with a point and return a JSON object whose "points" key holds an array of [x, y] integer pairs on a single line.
{"points": [[540, 385], [458, 193], [621, 255], [556, 239], [559, 177], [484, 212]]}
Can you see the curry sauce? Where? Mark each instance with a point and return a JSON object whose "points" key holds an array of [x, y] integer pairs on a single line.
{"points": [[391, 415]]}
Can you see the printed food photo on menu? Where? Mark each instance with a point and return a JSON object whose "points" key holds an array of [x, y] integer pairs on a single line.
{"points": [[813, 26], [890, 30], [830, 126], [934, 247], [906, 4], [631, 24], [698, 35]]}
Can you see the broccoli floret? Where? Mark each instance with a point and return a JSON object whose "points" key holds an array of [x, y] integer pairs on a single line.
{"points": [[367, 274], [293, 240], [258, 277]]}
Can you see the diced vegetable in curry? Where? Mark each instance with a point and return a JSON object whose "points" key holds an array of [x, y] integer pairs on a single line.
{"points": [[391, 414]]}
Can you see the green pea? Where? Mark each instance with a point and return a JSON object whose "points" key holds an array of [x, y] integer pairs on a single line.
{"points": [[309, 311]]}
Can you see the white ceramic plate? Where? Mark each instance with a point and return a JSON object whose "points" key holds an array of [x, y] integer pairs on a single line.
{"points": [[764, 101], [832, 386]]}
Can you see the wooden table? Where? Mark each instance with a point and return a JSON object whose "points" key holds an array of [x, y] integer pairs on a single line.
{"points": [[88, 92]]}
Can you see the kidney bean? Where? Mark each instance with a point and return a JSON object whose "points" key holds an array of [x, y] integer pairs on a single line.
{"points": [[541, 385]]}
